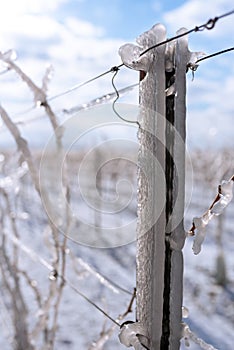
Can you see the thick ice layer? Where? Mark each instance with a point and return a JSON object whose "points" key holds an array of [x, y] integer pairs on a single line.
{"points": [[130, 56], [131, 334]]}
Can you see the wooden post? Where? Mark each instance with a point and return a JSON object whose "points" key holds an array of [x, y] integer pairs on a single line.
{"points": [[161, 178]]}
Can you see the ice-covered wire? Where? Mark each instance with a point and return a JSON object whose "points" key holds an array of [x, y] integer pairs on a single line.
{"points": [[77, 86], [53, 275], [116, 99], [210, 24], [110, 96]]}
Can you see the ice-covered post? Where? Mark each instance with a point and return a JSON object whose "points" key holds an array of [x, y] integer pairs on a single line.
{"points": [[161, 179]]}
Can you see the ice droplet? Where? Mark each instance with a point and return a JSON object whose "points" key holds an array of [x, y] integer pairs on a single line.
{"points": [[185, 312], [53, 275]]}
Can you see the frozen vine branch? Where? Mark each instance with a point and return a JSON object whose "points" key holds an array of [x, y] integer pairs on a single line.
{"points": [[22, 146], [221, 201], [189, 335]]}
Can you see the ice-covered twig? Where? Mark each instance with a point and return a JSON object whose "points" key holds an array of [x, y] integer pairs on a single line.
{"points": [[46, 79], [22, 146], [40, 98], [189, 335], [39, 94], [223, 198], [10, 180]]}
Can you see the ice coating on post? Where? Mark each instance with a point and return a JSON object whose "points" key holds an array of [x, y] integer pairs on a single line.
{"points": [[150, 245], [130, 334], [176, 135], [130, 55]]}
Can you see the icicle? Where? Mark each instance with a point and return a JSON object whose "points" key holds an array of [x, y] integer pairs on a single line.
{"points": [[133, 334]]}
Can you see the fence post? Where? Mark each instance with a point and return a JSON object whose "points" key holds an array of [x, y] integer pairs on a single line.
{"points": [[161, 177]]}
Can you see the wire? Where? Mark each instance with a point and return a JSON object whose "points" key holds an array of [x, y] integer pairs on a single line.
{"points": [[75, 87], [88, 300], [210, 24], [215, 54], [4, 71], [53, 275], [116, 99]]}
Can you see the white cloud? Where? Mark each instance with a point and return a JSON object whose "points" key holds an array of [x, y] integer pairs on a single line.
{"points": [[83, 28], [12, 8], [78, 51], [197, 12]]}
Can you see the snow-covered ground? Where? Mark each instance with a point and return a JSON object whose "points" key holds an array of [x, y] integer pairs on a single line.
{"points": [[211, 306]]}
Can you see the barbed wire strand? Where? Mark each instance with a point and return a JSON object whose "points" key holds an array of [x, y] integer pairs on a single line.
{"points": [[124, 90], [53, 275], [78, 86], [210, 24]]}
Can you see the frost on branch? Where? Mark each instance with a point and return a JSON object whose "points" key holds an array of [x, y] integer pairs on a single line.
{"points": [[133, 334], [223, 198]]}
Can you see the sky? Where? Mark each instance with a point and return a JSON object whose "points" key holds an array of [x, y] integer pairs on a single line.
{"points": [[81, 39]]}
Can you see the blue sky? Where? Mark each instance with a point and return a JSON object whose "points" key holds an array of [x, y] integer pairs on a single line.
{"points": [[81, 38]]}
